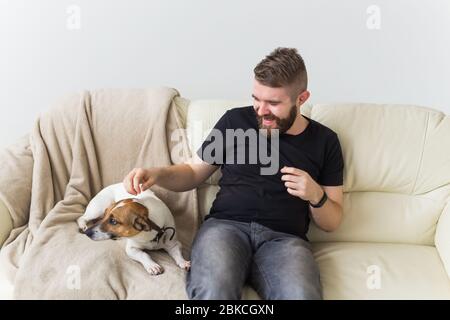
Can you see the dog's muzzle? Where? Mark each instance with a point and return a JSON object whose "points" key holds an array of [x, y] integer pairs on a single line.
{"points": [[95, 233]]}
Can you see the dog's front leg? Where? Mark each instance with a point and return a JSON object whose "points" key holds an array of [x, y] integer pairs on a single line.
{"points": [[174, 250], [89, 215], [139, 255]]}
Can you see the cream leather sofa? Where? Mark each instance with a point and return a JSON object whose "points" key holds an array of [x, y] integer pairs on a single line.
{"points": [[394, 241]]}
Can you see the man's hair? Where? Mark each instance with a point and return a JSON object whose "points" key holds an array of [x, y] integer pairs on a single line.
{"points": [[283, 67]]}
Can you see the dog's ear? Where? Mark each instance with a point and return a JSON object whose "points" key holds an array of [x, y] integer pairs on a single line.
{"points": [[141, 224], [116, 204], [145, 224], [107, 210]]}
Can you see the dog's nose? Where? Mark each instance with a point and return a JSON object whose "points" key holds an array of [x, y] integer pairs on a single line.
{"points": [[89, 232]]}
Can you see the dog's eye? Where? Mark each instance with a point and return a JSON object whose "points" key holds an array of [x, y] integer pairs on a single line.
{"points": [[112, 221]]}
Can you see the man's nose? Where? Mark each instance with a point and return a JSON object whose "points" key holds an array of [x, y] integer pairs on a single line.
{"points": [[263, 110]]}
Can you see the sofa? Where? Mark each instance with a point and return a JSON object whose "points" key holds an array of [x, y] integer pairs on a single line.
{"points": [[394, 239]]}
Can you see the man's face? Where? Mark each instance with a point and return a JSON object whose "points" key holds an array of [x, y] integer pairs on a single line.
{"points": [[274, 107]]}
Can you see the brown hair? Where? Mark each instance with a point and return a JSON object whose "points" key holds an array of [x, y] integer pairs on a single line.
{"points": [[283, 67]]}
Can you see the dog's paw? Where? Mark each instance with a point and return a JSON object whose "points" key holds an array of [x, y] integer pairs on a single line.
{"points": [[186, 265], [154, 269], [82, 224]]}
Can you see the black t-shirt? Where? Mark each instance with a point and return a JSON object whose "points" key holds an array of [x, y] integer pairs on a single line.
{"points": [[247, 195]]}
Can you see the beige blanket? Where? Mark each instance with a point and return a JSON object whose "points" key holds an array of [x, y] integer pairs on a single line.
{"points": [[88, 141]]}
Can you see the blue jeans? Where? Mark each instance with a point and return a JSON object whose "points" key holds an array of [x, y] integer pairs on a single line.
{"points": [[226, 254]]}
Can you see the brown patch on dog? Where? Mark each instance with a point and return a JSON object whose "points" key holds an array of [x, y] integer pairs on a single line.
{"points": [[126, 218]]}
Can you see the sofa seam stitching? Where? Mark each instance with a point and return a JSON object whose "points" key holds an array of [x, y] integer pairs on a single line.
{"points": [[421, 156]]}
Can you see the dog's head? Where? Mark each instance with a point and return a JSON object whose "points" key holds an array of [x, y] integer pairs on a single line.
{"points": [[124, 218]]}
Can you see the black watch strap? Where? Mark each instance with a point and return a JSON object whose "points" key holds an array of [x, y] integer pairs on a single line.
{"points": [[321, 202]]}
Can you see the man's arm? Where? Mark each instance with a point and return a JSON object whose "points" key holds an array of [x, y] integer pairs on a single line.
{"points": [[179, 178], [329, 216], [300, 184], [184, 177]]}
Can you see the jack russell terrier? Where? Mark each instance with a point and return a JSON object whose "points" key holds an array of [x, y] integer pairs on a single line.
{"points": [[144, 220]]}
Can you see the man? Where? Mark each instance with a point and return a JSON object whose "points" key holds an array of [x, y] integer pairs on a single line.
{"points": [[256, 229]]}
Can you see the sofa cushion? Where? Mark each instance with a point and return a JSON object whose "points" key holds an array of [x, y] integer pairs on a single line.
{"points": [[6, 288], [350, 271], [391, 155], [387, 217], [5, 222], [442, 239], [248, 293], [390, 148]]}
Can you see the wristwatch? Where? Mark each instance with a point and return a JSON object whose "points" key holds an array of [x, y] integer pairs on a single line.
{"points": [[321, 202]]}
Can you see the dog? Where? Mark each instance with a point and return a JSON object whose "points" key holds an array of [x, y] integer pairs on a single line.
{"points": [[144, 220]]}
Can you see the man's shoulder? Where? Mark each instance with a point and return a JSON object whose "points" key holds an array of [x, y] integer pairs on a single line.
{"points": [[323, 130], [239, 116]]}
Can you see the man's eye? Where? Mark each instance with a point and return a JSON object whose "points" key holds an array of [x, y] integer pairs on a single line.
{"points": [[113, 221]]}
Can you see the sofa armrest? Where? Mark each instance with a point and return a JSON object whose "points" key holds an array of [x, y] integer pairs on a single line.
{"points": [[442, 237], [5, 223]]}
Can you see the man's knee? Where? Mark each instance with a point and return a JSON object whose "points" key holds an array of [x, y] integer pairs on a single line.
{"points": [[220, 250]]}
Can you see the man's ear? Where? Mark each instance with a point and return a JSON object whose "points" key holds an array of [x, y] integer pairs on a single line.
{"points": [[141, 224], [303, 97]]}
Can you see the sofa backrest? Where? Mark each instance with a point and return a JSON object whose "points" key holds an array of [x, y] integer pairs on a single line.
{"points": [[396, 173]]}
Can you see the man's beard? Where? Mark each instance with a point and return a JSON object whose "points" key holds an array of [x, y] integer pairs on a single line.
{"points": [[283, 124]]}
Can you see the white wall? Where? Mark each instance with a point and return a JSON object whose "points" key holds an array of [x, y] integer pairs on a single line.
{"points": [[208, 49]]}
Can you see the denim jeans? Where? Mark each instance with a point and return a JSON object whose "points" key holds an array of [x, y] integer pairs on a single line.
{"points": [[227, 254]]}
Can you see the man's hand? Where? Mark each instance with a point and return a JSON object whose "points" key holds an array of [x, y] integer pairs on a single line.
{"points": [[140, 179], [300, 184], [177, 177]]}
